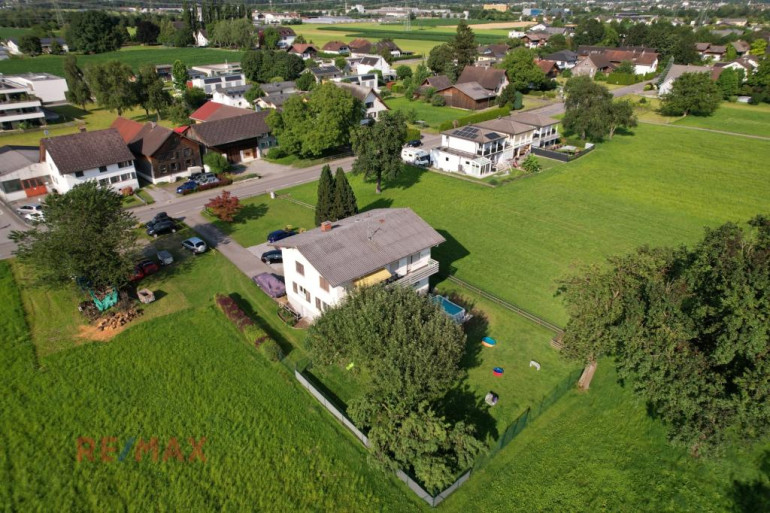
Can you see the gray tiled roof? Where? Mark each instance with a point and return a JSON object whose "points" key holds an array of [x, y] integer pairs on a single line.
{"points": [[364, 243], [87, 150], [230, 130], [13, 158], [475, 91]]}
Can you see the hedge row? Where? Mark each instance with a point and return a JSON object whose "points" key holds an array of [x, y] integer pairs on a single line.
{"points": [[476, 118], [249, 328]]}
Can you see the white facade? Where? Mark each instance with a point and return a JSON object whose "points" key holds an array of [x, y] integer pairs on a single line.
{"points": [[310, 294], [117, 176], [211, 84], [17, 105], [233, 98], [379, 63], [15, 185], [643, 69], [200, 39], [48, 88], [516, 34], [374, 105]]}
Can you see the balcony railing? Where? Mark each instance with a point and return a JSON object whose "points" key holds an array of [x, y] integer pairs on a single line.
{"points": [[415, 275]]}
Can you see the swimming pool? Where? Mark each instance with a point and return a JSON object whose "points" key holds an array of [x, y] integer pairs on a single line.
{"points": [[453, 310]]}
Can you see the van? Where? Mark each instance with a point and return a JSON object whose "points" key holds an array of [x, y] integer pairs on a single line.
{"points": [[415, 156]]}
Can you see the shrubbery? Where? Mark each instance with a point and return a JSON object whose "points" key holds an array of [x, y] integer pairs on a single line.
{"points": [[243, 322], [475, 118]]}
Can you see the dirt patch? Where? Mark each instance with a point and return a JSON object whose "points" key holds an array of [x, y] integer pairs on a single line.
{"points": [[94, 334], [501, 25]]}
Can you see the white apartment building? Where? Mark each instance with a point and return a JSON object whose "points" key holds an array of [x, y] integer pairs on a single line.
{"points": [[233, 96], [321, 266], [211, 84], [18, 105]]}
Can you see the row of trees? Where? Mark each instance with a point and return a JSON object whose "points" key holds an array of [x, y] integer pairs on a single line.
{"points": [[336, 199], [264, 65]]}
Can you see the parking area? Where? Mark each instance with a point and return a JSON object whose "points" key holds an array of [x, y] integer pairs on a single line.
{"points": [[259, 249]]}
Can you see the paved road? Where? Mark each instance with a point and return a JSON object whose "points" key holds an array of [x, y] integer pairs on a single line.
{"points": [[558, 108]]}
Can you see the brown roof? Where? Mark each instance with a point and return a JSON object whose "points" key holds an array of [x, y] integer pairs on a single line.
{"points": [[211, 111], [335, 46], [302, 48], [600, 61], [715, 49], [702, 47], [150, 139], [531, 119], [538, 36], [360, 44], [546, 65], [475, 90], [488, 78], [87, 150], [507, 125], [741, 46], [495, 50], [439, 82], [229, 130], [127, 128]]}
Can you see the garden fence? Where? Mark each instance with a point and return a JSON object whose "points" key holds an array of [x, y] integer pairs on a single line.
{"points": [[561, 157], [424, 495]]}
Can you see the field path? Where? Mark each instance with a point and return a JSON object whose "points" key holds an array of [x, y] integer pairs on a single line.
{"points": [[724, 132]]}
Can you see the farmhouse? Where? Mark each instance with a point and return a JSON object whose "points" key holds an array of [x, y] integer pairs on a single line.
{"points": [[469, 95], [645, 60], [212, 111], [710, 51], [99, 155], [382, 245], [161, 154], [491, 79], [439, 83], [373, 104], [360, 46], [239, 138], [21, 173]]}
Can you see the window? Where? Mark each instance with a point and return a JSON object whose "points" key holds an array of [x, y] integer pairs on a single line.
{"points": [[133, 175], [187, 163], [163, 169], [323, 283], [114, 179], [300, 269], [307, 296], [294, 287], [104, 182], [127, 163], [78, 174], [173, 166], [102, 169], [187, 152], [125, 176], [11, 186]]}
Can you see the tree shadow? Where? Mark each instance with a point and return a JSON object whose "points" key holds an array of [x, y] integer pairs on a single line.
{"points": [[378, 203], [750, 497], [462, 405], [449, 252], [475, 329], [625, 132], [249, 310], [250, 212]]}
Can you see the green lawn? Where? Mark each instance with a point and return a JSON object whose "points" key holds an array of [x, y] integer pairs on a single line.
{"points": [[9, 32], [135, 56], [433, 116], [269, 446], [734, 117]]}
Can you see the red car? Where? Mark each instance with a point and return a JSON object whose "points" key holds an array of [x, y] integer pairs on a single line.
{"points": [[144, 268]]}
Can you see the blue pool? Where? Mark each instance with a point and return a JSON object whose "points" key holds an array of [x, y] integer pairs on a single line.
{"points": [[456, 312]]}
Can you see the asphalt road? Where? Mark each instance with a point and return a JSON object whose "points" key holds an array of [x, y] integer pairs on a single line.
{"points": [[558, 108]]}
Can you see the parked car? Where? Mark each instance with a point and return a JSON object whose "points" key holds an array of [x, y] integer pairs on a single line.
{"points": [[161, 227], [187, 186], [160, 216], [202, 178], [195, 245], [273, 257], [194, 176], [414, 143], [165, 257], [279, 234], [30, 212], [144, 268]]}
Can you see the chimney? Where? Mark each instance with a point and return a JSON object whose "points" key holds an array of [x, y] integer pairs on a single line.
{"points": [[326, 226]]}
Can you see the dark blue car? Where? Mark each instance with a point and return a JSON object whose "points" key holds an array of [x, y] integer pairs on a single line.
{"points": [[187, 186], [279, 234]]}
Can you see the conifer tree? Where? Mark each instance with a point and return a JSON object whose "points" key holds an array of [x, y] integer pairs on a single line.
{"points": [[344, 204], [323, 208]]}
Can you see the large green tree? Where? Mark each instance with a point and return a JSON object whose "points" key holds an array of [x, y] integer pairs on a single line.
{"points": [[587, 108], [310, 126], [729, 82], [463, 46], [179, 75], [441, 61], [29, 44], [93, 31], [150, 91], [688, 329], [85, 233], [588, 32], [344, 202], [621, 116], [378, 148], [325, 197], [78, 91], [692, 93], [112, 86], [523, 73], [147, 32]]}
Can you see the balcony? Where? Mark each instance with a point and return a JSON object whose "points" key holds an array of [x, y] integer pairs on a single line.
{"points": [[415, 275]]}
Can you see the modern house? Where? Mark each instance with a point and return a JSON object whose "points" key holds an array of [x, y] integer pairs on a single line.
{"points": [[321, 266], [324, 73], [18, 105], [546, 130], [373, 104], [161, 155], [101, 155], [371, 63], [212, 83], [565, 59], [233, 96], [285, 87], [44, 86], [336, 47], [215, 70], [666, 82], [470, 150], [306, 51], [45, 44], [21, 174], [212, 111], [240, 138]]}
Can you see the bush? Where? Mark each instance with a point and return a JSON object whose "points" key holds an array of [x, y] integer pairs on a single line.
{"points": [[475, 118], [567, 73], [397, 88], [271, 350], [412, 134], [642, 101], [216, 162], [648, 87], [385, 93], [438, 101], [600, 77], [277, 153]]}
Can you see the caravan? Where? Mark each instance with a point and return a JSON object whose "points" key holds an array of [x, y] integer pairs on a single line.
{"points": [[415, 156]]}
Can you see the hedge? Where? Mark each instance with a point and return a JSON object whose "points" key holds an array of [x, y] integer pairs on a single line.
{"points": [[476, 118], [412, 134], [243, 322]]}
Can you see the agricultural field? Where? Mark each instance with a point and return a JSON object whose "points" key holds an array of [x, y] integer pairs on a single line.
{"points": [[10, 32], [134, 56], [734, 117], [433, 116]]}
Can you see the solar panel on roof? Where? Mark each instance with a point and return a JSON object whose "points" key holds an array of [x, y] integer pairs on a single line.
{"points": [[492, 135]]}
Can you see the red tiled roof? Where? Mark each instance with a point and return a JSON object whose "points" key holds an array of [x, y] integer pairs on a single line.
{"points": [[546, 65], [302, 48], [335, 46], [211, 111], [127, 128], [181, 129], [206, 110]]}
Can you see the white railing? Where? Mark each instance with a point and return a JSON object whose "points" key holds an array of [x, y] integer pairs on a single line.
{"points": [[418, 274]]}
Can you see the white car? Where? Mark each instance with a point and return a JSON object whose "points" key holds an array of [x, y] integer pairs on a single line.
{"points": [[195, 245], [31, 212]]}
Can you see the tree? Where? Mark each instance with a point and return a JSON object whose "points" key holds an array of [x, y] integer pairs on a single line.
{"points": [[271, 37], [556, 43], [147, 32], [441, 61], [151, 92], [225, 206], [93, 32], [588, 32], [403, 72], [78, 91], [729, 82], [438, 101], [184, 37], [378, 148], [312, 125], [341, 62], [626, 67], [179, 75], [758, 47], [178, 112], [111, 85], [731, 54], [56, 48], [86, 234], [522, 71], [344, 202], [323, 206], [237, 33], [194, 97], [305, 82], [253, 93], [299, 40], [167, 32], [621, 116], [30, 45], [216, 162], [531, 165], [688, 330], [587, 109], [507, 96], [692, 93], [464, 46]]}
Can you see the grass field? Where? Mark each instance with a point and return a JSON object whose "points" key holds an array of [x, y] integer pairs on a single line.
{"points": [[134, 56], [9, 32], [734, 117], [433, 116]]}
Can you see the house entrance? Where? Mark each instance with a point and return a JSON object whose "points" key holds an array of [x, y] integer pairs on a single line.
{"points": [[34, 187]]}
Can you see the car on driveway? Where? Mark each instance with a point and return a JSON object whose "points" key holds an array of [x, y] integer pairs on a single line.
{"points": [[161, 227], [205, 178], [195, 244], [414, 143], [187, 187], [144, 268], [30, 212], [279, 235], [272, 257]]}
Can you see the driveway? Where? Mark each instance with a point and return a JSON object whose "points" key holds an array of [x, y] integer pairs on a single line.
{"points": [[558, 108], [262, 248]]}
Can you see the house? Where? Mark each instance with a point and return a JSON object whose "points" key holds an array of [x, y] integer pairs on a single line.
{"points": [[469, 95], [371, 63], [550, 68], [285, 87], [239, 138], [470, 150], [439, 83], [306, 51], [360, 46], [380, 47], [45, 87], [212, 111], [491, 79], [161, 154], [516, 34], [491, 53], [323, 73], [733, 22], [101, 155], [741, 47], [274, 101], [665, 83], [546, 130], [45, 43], [286, 36], [323, 265], [276, 18], [535, 39], [370, 80], [216, 70], [18, 105], [336, 47], [233, 96], [201, 38], [164, 71], [212, 83], [645, 60], [519, 139], [21, 174], [373, 104], [593, 64], [564, 59]]}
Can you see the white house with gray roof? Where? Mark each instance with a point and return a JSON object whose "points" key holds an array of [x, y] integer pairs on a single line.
{"points": [[390, 245]]}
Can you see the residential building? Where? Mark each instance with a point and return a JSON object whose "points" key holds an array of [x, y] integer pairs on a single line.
{"points": [[741, 47], [591, 65], [240, 138], [546, 129], [491, 54], [306, 51], [565, 59], [550, 68], [233, 96], [201, 38], [21, 174], [285, 87], [273, 101], [373, 104], [161, 154], [18, 105], [211, 84], [45, 87], [516, 34], [370, 63], [164, 71], [324, 73], [323, 265], [336, 47], [439, 83], [370, 80], [382, 46], [360, 46], [469, 95], [275, 18], [45, 43], [645, 60], [518, 143], [710, 51], [470, 150], [216, 70], [101, 155], [212, 111], [492, 79], [666, 82], [535, 39], [286, 36]]}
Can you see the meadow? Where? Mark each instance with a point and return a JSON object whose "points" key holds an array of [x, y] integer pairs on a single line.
{"points": [[734, 117], [432, 116]]}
